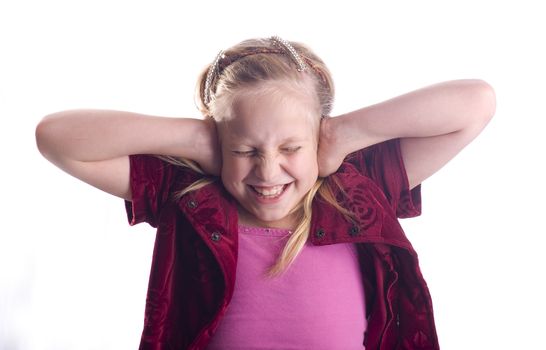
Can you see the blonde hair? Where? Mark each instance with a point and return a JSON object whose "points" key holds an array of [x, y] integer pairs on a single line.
{"points": [[253, 62], [248, 66]]}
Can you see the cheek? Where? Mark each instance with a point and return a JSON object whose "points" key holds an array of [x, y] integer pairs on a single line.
{"points": [[230, 177], [234, 169], [306, 166]]}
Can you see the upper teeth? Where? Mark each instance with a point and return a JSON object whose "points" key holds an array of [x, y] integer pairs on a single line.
{"points": [[269, 191]]}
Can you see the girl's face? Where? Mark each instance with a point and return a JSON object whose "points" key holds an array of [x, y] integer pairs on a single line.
{"points": [[269, 150]]}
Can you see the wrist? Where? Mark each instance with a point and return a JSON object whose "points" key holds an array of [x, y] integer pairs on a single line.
{"points": [[355, 130], [340, 135], [207, 147]]}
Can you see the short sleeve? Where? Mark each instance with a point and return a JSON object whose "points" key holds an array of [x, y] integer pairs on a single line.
{"points": [[150, 180], [383, 164]]}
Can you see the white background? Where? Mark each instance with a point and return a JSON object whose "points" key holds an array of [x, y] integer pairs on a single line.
{"points": [[73, 274]]}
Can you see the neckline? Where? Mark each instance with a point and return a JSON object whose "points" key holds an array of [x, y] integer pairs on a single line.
{"points": [[264, 231]]}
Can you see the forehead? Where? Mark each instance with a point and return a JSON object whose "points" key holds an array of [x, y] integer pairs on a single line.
{"points": [[277, 110], [272, 116]]}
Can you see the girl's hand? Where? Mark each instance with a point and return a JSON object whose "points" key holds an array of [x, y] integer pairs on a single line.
{"points": [[330, 152], [433, 124], [211, 155], [94, 145]]}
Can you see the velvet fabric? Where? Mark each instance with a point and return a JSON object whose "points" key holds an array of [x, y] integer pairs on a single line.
{"points": [[195, 255]]}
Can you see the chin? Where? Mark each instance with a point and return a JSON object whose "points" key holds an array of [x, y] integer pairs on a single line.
{"points": [[284, 220]]}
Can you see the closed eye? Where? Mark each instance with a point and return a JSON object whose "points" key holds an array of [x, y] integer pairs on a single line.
{"points": [[244, 153], [291, 149]]}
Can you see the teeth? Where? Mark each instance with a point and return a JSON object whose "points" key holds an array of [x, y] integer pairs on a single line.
{"points": [[269, 191]]}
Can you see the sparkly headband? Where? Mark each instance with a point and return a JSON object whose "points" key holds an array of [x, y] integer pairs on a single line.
{"points": [[282, 47], [290, 49]]}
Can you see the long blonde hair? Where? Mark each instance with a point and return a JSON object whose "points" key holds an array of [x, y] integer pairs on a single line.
{"points": [[248, 66]]}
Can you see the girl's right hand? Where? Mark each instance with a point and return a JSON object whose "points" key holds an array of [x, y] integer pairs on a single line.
{"points": [[211, 159], [94, 145]]}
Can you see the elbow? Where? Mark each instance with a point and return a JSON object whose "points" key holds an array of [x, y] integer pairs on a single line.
{"points": [[43, 135], [39, 134], [488, 100], [484, 100], [479, 101]]}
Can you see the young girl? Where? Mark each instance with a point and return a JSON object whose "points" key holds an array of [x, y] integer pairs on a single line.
{"points": [[276, 223]]}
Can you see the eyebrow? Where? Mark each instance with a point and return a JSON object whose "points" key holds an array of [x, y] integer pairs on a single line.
{"points": [[290, 139]]}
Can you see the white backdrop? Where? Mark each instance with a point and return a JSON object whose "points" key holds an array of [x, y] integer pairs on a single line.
{"points": [[73, 274]]}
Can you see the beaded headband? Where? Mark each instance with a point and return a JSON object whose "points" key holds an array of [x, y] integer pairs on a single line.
{"points": [[281, 47], [293, 53]]}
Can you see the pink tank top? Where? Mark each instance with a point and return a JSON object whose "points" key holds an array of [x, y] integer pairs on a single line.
{"points": [[318, 303]]}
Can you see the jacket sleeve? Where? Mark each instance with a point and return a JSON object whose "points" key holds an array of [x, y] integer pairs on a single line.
{"points": [[384, 165], [151, 180]]}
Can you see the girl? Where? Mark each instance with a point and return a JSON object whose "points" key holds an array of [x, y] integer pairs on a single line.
{"points": [[277, 224]]}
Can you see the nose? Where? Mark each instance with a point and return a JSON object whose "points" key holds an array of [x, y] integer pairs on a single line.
{"points": [[267, 169]]}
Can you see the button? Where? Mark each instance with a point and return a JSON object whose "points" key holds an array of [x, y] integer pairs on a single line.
{"points": [[354, 231], [215, 236], [320, 233], [192, 204]]}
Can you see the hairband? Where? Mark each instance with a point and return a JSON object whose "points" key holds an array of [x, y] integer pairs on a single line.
{"points": [[288, 47], [282, 47], [212, 69]]}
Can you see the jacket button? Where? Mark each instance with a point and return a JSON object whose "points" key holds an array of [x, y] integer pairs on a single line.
{"points": [[215, 236], [354, 231], [320, 233], [192, 204]]}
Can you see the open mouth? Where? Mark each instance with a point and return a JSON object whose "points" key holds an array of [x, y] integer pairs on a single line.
{"points": [[269, 192]]}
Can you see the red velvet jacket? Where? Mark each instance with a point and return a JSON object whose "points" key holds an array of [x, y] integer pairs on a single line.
{"points": [[195, 255]]}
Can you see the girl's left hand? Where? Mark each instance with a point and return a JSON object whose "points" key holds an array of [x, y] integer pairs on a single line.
{"points": [[330, 152]]}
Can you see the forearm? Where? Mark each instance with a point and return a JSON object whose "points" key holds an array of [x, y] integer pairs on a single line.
{"points": [[432, 111], [95, 135]]}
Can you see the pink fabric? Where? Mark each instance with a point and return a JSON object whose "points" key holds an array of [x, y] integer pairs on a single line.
{"points": [[289, 311]]}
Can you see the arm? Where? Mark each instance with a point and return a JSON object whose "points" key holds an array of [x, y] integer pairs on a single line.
{"points": [[434, 124], [94, 145]]}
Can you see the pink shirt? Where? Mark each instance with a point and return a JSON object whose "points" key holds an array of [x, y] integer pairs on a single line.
{"points": [[318, 303]]}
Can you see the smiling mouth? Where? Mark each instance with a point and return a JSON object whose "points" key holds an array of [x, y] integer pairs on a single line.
{"points": [[269, 192]]}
